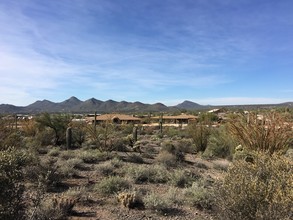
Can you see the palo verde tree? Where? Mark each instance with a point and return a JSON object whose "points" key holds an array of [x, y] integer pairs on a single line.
{"points": [[57, 122]]}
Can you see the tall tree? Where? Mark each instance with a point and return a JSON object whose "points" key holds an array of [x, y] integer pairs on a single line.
{"points": [[58, 123]]}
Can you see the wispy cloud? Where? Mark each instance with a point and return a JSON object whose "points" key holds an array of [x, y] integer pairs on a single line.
{"points": [[51, 49], [240, 100]]}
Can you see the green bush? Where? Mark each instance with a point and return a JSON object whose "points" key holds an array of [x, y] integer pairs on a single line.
{"points": [[179, 178], [200, 134], [93, 156], [220, 144], [12, 205], [157, 202], [134, 158], [106, 169], [167, 159], [173, 149], [14, 139], [111, 185], [46, 174], [54, 152], [199, 196], [145, 173], [261, 189]]}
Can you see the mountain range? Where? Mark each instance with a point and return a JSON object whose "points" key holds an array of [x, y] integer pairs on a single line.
{"points": [[75, 105]]}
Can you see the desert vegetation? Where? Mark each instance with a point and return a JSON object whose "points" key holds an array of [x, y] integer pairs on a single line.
{"points": [[55, 168]]}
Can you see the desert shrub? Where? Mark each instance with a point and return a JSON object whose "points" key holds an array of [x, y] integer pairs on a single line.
{"points": [[289, 153], [126, 129], [144, 173], [175, 196], [5, 130], [29, 128], [54, 208], [105, 137], [172, 132], [67, 154], [45, 173], [173, 149], [147, 130], [14, 139], [106, 169], [79, 132], [201, 165], [199, 196], [269, 134], [179, 178], [222, 166], [76, 163], [157, 202], [134, 158], [185, 145], [93, 156], [167, 159], [243, 154], [58, 123], [67, 168], [116, 162], [111, 185], [258, 190], [12, 205], [54, 152], [120, 144], [151, 148], [220, 144], [44, 137], [81, 193], [200, 134]]}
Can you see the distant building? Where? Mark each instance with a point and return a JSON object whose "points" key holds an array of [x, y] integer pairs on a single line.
{"points": [[177, 119], [115, 118]]}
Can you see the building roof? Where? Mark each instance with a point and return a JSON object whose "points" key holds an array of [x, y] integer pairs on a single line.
{"points": [[121, 117], [176, 117]]}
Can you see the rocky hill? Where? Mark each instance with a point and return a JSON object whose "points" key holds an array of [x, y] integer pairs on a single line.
{"points": [[74, 105]]}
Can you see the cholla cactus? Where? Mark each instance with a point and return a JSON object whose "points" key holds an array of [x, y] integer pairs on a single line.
{"points": [[65, 204], [130, 200]]}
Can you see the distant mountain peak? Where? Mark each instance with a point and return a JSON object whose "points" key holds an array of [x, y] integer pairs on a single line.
{"points": [[73, 104], [188, 105]]}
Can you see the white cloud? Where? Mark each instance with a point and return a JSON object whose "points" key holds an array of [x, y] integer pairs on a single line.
{"points": [[240, 101]]}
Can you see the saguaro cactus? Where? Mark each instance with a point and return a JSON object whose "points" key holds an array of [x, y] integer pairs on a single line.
{"points": [[68, 138], [134, 134], [161, 124]]}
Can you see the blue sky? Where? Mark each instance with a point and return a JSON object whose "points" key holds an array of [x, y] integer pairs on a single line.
{"points": [[206, 51]]}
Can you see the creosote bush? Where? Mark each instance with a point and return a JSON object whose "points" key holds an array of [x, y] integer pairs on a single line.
{"points": [[157, 202], [112, 185], [200, 134], [220, 144], [199, 196], [12, 205], [258, 190], [144, 173]]}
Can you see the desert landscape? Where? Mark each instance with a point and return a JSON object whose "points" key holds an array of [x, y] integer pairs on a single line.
{"points": [[236, 165]]}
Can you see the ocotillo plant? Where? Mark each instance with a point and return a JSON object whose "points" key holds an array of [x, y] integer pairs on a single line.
{"points": [[95, 121], [68, 137]]}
